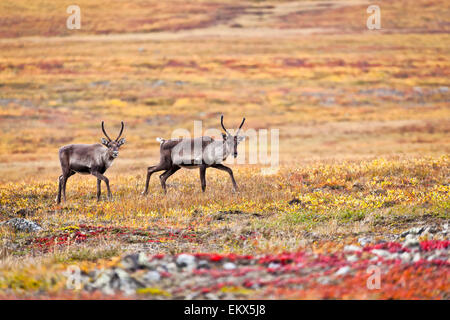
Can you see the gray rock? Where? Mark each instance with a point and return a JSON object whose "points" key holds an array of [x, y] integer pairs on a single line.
{"points": [[382, 253], [411, 243], [229, 266], [413, 232], [143, 261], [363, 241], [274, 265], [130, 262], [203, 264], [24, 225], [324, 280], [185, 260], [103, 279], [152, 276], [352, 248], [406, 257], [343, 271]]}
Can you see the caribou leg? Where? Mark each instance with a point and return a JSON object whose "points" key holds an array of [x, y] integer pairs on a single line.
{"points": [[99, 189], [62, 185], [166, 175], [230, 172], [203, 177], [58, 197], [105, 179], [150, 171]]}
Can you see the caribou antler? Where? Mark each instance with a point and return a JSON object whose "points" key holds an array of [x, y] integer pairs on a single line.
{"points": [[121, 130], [104, 131], [239, 129], [242, 123], [221, 122]]}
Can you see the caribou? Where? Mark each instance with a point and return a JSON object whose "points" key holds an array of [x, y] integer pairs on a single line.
{"points": [[92, 159], [202, 152]]}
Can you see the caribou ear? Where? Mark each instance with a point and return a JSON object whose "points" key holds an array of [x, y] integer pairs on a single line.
{"points": [[121, 142], [105, 142], [224, 136], [240, 138]]}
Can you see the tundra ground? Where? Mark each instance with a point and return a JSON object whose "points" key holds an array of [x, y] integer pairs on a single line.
{"points": [[364, 144]]}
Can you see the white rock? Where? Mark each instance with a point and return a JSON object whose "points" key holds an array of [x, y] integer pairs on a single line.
{"points": [[363, 241], [406, 257], [324, 280], [382, 253], [185, 260], [411, 243], [229, 266], [352, 258], [343, 271], [152, 276], [24, 225], [143, 260], [171, 267], [274, 265], [352, 248], [416, 257]]}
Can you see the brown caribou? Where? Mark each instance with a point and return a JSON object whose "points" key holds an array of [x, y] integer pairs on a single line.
{"points": [[92, 159], [202, 152]]}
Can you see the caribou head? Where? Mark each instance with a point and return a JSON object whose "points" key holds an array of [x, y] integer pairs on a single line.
{"points": [[112, 145], [232, 141]]}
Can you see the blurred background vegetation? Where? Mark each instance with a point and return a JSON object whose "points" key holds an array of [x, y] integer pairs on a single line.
{"points": [[336, 90]]}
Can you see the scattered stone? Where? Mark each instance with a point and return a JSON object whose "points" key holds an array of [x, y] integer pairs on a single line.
{"points": [[406, 257], [382, 253], [343, 271], [274, 265], [229, 266], [24, 225], [152, 276], [414, 231], [352, 248], [143, 261], [363, 241], [185, 260], [130, 262], [324, 280], [171, 267], [352, 258], [411, 243], [203, 264]]}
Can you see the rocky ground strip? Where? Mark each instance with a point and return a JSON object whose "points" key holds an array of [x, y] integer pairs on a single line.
{"points": [[303, 274]]}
